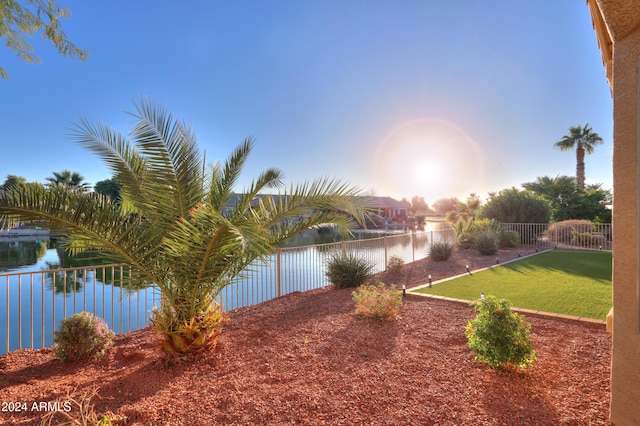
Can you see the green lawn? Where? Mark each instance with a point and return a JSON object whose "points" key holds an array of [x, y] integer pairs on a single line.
{"points": [[571, 282]]}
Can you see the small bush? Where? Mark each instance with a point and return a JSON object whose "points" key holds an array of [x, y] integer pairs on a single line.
{"points": [[395, 264], [348, 271], [82, 336], [509, 239], [498, 336], [465, 240], [378, 301], [487, 242], [440, 250]]}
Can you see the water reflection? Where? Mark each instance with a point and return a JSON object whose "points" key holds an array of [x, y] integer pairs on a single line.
{"points": [[17, 252]]}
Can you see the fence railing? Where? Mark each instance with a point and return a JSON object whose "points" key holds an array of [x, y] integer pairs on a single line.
{"points": [[569, 234], [34, 303]]}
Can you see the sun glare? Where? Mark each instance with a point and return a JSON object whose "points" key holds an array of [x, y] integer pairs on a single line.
{"points": [[425, 157]]}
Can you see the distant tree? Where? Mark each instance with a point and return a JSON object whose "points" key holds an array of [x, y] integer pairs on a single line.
{"points": [[13, 180], [567, 202], [70, 179], [464, 211], [445, 205], [514, 206], [583, 140], [109, 188], [420, 207], [550, 188], [591, 204], [28, 17]]}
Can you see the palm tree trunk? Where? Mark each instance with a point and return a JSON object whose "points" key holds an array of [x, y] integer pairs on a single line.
{"points": [[580, 176]]}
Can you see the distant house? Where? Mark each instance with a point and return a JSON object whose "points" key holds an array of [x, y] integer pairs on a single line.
{"points": [[385, 207], [388, 207]]}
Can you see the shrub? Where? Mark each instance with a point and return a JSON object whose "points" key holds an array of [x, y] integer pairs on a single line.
{"points": [[378, 301], [440, 250], [586, 239], [509, 239], [487, 242], [395, 264], [348, 271], [464, 233], [498, 336], [564, 232], [81, 336]]}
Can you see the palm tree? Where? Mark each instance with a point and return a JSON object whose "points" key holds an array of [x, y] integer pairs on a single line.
{"points": [[464, 211], [170, 227], [71, 179], [555, 189], [583, 140]]}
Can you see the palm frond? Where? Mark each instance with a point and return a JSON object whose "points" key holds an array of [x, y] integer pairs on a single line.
{"points": [[91, 221], [172, 158]]}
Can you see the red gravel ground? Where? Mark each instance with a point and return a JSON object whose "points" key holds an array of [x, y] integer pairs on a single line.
{"points": [[305, 358]]}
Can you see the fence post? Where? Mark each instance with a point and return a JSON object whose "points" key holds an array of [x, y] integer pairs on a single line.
{"points": [[413, 247], [278, 272], [386, 252]]}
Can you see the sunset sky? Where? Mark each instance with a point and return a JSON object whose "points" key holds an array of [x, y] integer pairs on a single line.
{"points": [[399, 98]]}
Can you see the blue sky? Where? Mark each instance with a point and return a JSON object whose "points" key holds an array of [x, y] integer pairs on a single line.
{"points": [[399, 98]]}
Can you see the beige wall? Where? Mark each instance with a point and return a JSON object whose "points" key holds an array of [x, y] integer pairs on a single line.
{"points": [[625, 372], [617, 27]]}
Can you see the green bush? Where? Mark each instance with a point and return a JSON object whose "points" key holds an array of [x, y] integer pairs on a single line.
{"points": [[509, 239], [395, 264], [498, 336], [348, 270], [81, 336], [487, 242], [465, 240], [440, 250], [378, 301], [564, 232]]}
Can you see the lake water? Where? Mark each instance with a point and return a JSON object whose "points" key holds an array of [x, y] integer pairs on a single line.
{"points": [[33, 301]]}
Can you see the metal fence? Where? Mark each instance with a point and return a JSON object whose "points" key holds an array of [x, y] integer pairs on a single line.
{"points": [[34, 303], [576, 234]]}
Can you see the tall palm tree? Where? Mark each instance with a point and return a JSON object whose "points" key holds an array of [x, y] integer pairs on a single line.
{"points": [[170, 227], [71, 179], [583, 140]]}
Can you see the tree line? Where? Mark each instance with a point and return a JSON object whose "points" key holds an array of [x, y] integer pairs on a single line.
{"points": [[547, 199]]}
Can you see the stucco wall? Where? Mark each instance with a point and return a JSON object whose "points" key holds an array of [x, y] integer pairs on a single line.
{"points": [[625, 375]]}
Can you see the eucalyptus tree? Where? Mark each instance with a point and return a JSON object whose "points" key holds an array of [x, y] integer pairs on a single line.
{"points": [[179, 224], [13, 180], [583, 140], [28, 17]]}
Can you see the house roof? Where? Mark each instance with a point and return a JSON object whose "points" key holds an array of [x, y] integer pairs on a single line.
{"points": [[388, 203], [613, 20]]}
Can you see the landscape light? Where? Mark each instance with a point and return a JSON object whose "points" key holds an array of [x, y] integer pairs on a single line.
{"points": [[429, 280]]}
